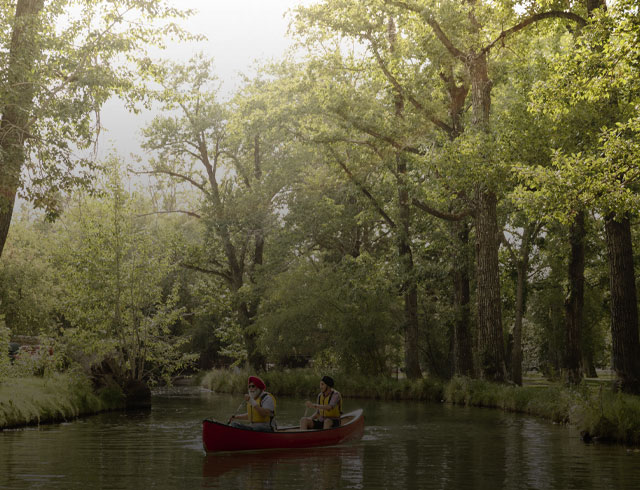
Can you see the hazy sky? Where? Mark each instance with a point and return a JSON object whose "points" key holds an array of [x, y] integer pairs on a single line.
{"points": [[238, 32]]}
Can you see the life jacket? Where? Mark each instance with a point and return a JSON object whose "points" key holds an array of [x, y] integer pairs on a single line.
{"points": [[333, 413], [254, 416]]}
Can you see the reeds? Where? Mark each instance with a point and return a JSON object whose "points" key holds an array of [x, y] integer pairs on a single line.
{"points": [[55, 398]]}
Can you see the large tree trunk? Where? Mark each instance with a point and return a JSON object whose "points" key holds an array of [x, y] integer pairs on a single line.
{"points": [[23, 52], [624, 309], [574, 304], [462, 353], [490, 337]]}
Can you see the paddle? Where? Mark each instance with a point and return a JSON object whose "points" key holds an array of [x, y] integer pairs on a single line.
{"points": [[235, 413]]}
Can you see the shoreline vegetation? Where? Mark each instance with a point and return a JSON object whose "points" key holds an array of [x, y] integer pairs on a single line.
{"points": [[52, 399], [598, 413]]}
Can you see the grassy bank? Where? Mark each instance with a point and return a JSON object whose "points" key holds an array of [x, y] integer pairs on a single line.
{"points": [[56, 398], [597, 412]]}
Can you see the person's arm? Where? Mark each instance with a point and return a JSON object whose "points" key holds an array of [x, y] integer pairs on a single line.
{"points": [[333, 401], [242, 416], [310, 404]]}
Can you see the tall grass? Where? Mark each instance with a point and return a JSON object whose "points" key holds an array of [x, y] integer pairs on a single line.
{"points": [[595, 411], [35, 400], [305, 383]]}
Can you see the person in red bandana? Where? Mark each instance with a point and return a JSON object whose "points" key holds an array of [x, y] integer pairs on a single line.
{"points": [[261, 407]]}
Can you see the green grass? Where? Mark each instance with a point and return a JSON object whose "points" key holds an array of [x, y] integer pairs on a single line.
{"points": [[591, 407], [34, 400]]}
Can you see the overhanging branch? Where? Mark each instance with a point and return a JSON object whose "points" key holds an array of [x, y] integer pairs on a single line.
{"points": [[553, 14]]}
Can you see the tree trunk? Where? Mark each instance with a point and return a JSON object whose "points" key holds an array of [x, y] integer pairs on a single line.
{"points": [[516, 353], [490, 337], [462, 355], [405, 256], [574, 304], [490, 341], [588, 367], [522, 269], [23, 52], [624, 309]]}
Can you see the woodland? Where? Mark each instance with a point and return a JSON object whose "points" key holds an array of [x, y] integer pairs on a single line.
{"points": [[419, 188]]}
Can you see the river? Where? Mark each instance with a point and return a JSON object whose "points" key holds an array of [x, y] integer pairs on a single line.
{"points": [[406, 445]]}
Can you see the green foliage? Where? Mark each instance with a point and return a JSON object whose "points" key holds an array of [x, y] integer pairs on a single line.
{"points": [[112, 266], [84, 53], [342, 315], [591, 98], [5, 364], [25, 401], [28, 285]]}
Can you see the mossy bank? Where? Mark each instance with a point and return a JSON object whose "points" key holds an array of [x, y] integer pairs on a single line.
{"points": [[598, 413], [55, 398]]}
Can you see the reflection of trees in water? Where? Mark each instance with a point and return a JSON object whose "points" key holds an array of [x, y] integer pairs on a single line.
{"points": [[317, 468]]}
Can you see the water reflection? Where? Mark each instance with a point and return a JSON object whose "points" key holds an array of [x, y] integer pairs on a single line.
{"points": [[317, 468]]}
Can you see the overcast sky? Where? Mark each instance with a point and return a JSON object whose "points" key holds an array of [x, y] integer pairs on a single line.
{"points": [[238, 33]]}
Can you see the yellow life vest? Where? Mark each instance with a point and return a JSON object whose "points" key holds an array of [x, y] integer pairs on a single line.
{"points": [[333, 413], [254, 416]]}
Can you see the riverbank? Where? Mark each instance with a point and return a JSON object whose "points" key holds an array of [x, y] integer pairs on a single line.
{"points": [[597, 412], [55, 398]]}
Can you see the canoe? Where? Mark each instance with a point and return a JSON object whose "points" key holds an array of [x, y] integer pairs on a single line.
{"points": [[217, 436]]}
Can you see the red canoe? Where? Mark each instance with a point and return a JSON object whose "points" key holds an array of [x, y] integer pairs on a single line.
{"points": [[221, 437]]}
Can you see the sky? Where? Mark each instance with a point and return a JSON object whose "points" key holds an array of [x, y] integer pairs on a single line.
{"points": [[238, 32]]}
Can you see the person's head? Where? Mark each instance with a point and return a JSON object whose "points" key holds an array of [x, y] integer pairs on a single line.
{"points": [[326, 383], [255, 386]]}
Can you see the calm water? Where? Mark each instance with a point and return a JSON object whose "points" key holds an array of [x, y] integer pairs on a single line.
{"points": [[406, 445]]}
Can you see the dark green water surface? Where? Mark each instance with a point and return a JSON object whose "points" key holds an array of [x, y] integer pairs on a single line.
{"points": [[406, 445]]}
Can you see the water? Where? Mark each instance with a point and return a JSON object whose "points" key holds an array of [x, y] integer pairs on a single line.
{"points": [[406, 445]]}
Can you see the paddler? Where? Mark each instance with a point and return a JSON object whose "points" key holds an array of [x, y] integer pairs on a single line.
{"points": [[328, 407], [261, 407]]}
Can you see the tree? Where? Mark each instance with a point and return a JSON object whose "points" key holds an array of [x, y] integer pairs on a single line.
{"points": [[596, 82], [64, 61], [112, 268], [456, 44], [235, 158]]}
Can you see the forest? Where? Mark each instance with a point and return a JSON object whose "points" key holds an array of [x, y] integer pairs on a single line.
{"points": [[419, 189]]}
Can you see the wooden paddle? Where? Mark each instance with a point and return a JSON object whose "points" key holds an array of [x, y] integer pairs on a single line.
{"points": [[235, 413]]}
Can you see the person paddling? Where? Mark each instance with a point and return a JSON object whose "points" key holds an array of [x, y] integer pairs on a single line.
{"points": [[261, 408], [328, 407]]}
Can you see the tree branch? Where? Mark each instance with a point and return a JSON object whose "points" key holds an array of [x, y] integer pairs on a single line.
{"points": [[172, 174], [428, 17], [189, 213], [362, 188], [196, 268], [440, 214], [400, 89], [553, 14]]}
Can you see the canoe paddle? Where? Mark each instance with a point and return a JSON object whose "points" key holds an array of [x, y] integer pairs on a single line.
{"points": [[235, 413]]}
